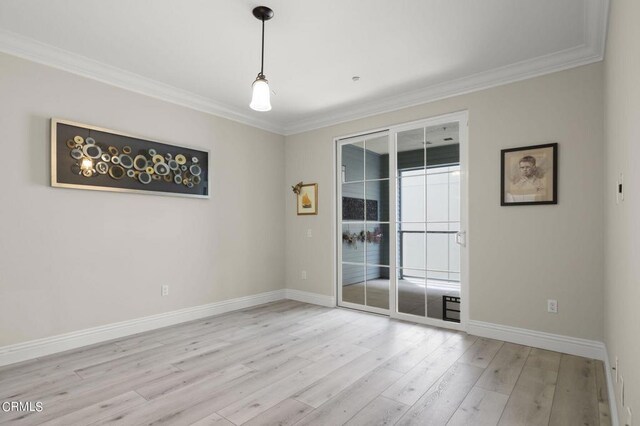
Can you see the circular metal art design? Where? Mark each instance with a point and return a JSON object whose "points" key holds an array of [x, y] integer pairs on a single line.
{"points": [[115, 159], [152, 152], [113, 150], [144, 178], [196, 180], [102, 168], [195, 170], [150, 170], [76, 153], [183, 168], [126, 149], [194, 160], [168, 156], [161, 168], [131, 173], [140, 162], [177, 179], [173, 164], [181, 159], [106, 157], [78, 139], [158, 159], [126, 161], [156, 177], [92, 151], [90, 141], [75, 169], [167, 178], [189, 184], [87, 173], [71, 144], [116, 172]]}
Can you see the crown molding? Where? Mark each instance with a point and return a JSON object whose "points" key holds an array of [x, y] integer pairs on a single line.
{"points": [[592, 50], [46, 54]]}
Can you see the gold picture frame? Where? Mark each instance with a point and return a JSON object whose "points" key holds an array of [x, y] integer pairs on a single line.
{"points": [[307, 199]]}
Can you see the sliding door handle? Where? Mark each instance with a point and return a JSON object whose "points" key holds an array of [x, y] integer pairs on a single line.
{"points": [[461, 238]]}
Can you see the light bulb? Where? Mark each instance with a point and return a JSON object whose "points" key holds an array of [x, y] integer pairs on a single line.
{"points": [[86, 164], [261, 99]]}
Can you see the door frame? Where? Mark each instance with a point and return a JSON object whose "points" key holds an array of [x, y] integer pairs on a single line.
{"points": [[462, 117]]}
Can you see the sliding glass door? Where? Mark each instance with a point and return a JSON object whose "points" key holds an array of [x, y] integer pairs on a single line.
{"points": [[401, 203]]}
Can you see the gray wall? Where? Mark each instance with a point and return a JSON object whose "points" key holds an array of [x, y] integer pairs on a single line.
{"points": [[519, 256], [73, 259], [622, 154]]}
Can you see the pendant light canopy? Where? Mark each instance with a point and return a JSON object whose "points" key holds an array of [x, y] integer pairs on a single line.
{"points": [[261, 99]]}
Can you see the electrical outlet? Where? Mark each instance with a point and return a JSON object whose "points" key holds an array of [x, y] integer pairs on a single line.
{"points": [[165, 290], [303, 275], [552, 306], [309, 233]]}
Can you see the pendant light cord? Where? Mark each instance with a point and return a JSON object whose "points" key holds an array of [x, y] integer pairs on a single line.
{"points": [[262, 57]]}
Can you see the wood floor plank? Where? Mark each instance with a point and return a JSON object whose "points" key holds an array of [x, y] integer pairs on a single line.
{"points": [[575, 400], [531, 399], [287, 412], [327, 387], [100, 410], [439, 403], [258, 402], [342, 407], [419, 379], [480, 408], [412, 355], [213, 420], [482, 352], [503, 371], [380, 411]]}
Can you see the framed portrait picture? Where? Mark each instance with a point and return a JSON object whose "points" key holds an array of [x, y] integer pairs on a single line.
{"points": [[529, 175], [307, 199]]}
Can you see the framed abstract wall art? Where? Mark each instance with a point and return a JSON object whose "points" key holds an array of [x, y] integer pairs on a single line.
{"points": [[89, 157], [529, 175]]}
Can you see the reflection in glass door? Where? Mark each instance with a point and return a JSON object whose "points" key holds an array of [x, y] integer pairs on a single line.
{"points": [[364, 223], [401, 221]]}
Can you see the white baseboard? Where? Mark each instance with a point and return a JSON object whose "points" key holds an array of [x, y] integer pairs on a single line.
{"points": [[538, 339], [63, 342], [313, 298], [611, 390]]}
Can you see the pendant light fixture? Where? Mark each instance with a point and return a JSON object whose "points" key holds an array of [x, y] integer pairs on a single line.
{"points": [[261, 99]]}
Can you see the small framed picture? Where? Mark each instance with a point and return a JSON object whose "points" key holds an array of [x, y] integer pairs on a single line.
{"points": [[308, 199], [529, 175]]}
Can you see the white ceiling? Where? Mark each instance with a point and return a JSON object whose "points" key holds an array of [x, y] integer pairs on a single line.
{"points": [[206, 53]]}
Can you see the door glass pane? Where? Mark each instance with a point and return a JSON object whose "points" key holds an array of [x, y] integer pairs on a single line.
{"points": [[377, 243], [411, 292], [353, 162], [353, 277], [377, 158], [353, 242], [410, 147], [353, 203], [411, 246], [377, 193], [411, 197], [378, 287]]}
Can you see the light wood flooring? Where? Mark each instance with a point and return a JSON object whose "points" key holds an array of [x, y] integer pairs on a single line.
{"points": [[291, 363]]}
